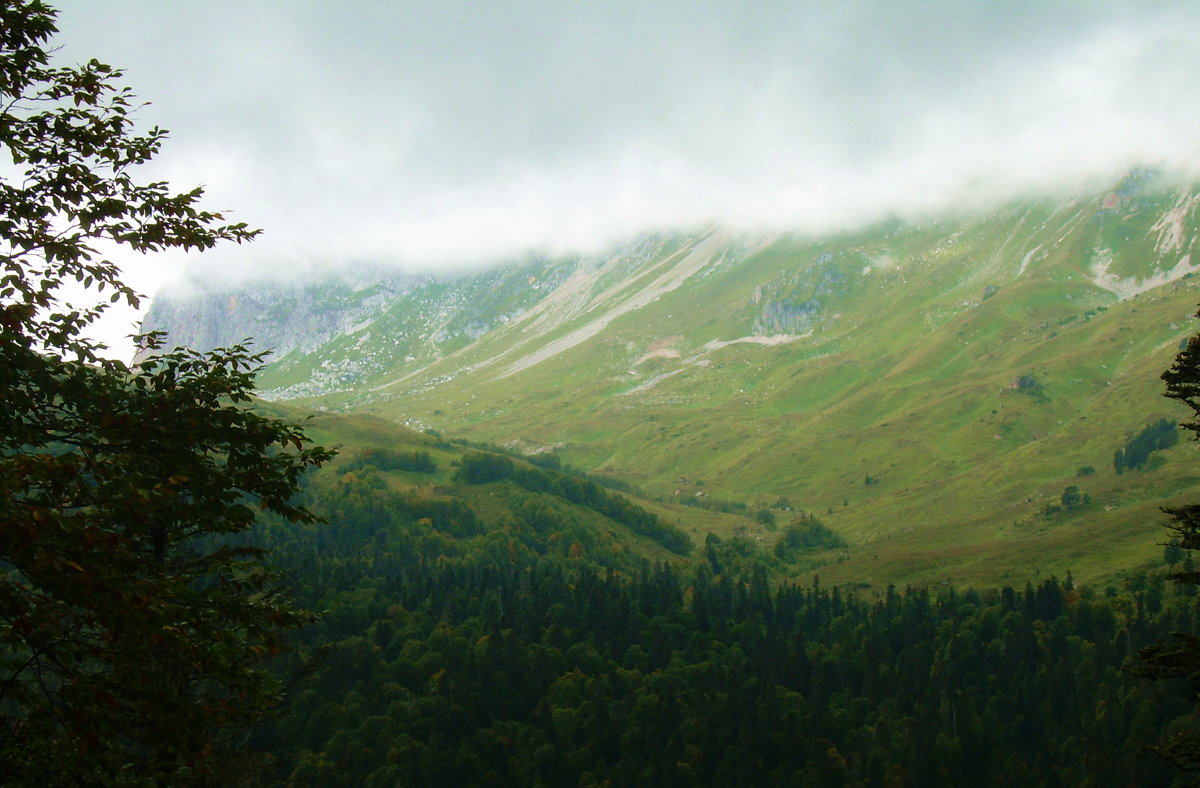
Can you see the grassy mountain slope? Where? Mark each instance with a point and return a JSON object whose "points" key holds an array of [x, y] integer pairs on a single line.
{"points": [[929, 391]]}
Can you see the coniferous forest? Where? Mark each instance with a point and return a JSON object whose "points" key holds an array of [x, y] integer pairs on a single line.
{"points": [[451, 652]]}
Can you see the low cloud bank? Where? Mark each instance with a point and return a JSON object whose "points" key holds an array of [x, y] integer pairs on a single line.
{"points": [[438, 135]]}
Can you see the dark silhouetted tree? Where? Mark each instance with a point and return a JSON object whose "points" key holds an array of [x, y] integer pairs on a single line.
{"points": [[133, 629], [1178, 655]]}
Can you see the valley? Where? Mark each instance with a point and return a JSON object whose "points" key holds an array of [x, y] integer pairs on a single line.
{"points": [[599, 395], [929, 391]]}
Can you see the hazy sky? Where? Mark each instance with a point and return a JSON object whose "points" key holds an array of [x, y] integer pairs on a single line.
{"points": [[437, 134]]}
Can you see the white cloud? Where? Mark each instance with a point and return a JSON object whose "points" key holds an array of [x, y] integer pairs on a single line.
{"points": [[441, 134]]}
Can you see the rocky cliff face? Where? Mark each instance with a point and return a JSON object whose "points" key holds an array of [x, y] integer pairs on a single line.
{"points": [[281, 317], [331, 334]]}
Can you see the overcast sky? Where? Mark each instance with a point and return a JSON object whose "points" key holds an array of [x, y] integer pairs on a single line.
{"points": [[439, 134]]}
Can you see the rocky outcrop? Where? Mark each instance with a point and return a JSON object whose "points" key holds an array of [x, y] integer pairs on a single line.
{"points": [[276, 316]]}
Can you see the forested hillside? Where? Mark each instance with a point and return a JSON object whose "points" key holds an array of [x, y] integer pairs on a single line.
{"points": [[523, 652], [485, 622]]}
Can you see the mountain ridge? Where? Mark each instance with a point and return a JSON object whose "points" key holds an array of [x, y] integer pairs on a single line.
{"points": [[928, 389]]}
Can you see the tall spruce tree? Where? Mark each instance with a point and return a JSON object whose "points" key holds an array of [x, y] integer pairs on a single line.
{"points": [[1178, 655], [133, 629]]}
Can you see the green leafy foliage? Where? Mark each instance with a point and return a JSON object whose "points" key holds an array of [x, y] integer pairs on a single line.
{"points": [[134, 634], [1136, 452], [806, 535], [131, 632], [482, 468], [390, 460], [1072, 498]]}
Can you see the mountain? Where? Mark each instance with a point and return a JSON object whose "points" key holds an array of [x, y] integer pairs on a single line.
{"points": [[949, 397]]}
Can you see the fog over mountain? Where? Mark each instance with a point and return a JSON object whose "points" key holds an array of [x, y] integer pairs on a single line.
{"points": [[436, 135]]}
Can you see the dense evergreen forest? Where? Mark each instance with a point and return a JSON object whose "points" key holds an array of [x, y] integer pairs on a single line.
{"points": [[451, 652]]}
